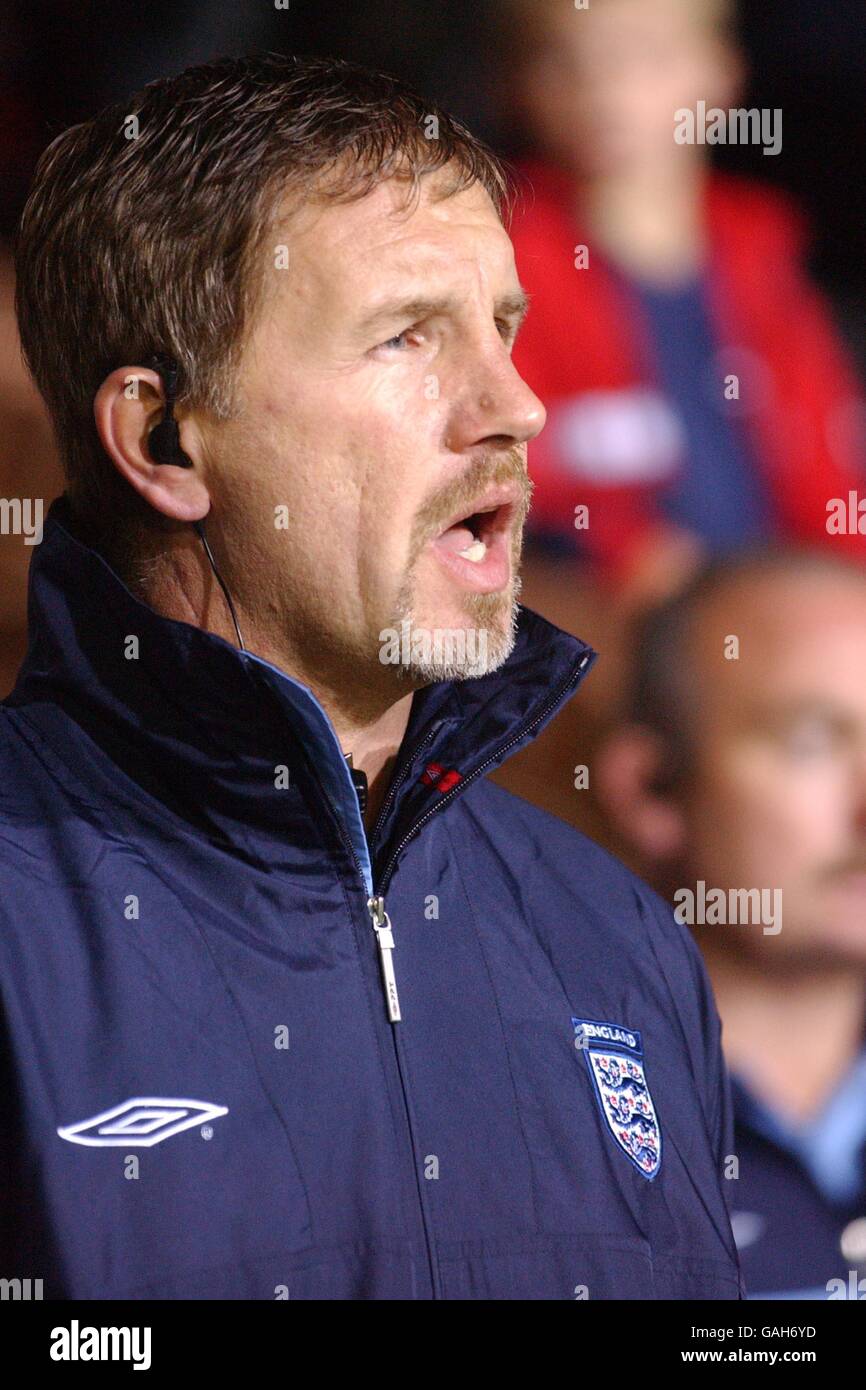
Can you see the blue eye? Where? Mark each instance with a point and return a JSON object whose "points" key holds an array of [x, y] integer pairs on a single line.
{"points": [[397, 340]]}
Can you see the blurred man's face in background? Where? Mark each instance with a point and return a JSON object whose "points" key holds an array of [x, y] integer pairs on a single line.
{"points": [[604, 83], [778, 793]]}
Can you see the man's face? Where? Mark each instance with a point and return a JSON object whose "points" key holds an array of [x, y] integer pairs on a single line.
{"points": [[379, 405], [779, 797]]}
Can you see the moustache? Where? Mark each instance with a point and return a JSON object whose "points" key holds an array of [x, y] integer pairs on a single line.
{"points": [[437, 511]]}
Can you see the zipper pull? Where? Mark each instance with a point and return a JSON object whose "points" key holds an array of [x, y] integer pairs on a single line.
{"points": [[385, 938]]}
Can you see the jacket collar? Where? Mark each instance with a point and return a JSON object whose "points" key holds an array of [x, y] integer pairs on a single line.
{"points": [[205, 729]]}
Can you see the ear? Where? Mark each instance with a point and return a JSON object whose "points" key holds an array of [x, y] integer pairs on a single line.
{"points": [[126, 407], [626, 768]]}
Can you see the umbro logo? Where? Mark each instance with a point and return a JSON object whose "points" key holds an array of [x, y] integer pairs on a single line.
{"points": [[141, 1122]]}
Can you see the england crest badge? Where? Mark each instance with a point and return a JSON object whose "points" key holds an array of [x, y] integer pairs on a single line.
{"points": [[614, 1057]]}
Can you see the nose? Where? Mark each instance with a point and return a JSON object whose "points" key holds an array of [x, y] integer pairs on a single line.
{"points": [[495, 405]]}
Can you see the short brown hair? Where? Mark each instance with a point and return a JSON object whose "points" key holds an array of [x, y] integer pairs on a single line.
{"points": [[142, 228]]}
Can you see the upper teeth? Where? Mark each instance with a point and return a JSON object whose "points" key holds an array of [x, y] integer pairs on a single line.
{"points": [[474, 552]]}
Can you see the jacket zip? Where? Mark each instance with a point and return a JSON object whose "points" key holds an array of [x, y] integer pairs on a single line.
{"points": [[404, 773], [382, 923], [503, 748], [380, 926], [385, 941], [376, 905]]}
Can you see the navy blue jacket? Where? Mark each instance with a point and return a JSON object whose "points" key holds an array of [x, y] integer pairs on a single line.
{"points": [[205, 1096]]}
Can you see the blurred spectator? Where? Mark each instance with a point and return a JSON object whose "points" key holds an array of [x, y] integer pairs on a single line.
{"points": [[29, 468], [698, 395], [738, 782]]}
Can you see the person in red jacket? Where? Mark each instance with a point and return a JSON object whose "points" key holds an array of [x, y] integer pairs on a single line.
{"points": [[698, 395]]}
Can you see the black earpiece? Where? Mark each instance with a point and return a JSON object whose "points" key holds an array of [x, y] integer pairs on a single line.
{"points": [[164, 445], [164, 439]]}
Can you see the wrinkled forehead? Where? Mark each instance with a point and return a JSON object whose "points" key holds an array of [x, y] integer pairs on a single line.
{"points": [[392, 231], [782, 639]]}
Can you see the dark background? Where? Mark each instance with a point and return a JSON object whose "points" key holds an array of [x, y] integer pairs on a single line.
{"points": [[61, 61]]}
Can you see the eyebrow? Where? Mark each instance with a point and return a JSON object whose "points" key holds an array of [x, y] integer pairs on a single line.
{"points": [[509, 306]]}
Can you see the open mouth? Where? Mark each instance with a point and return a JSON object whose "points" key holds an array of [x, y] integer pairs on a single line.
{"points": [[472, 535], [475, 547]]}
